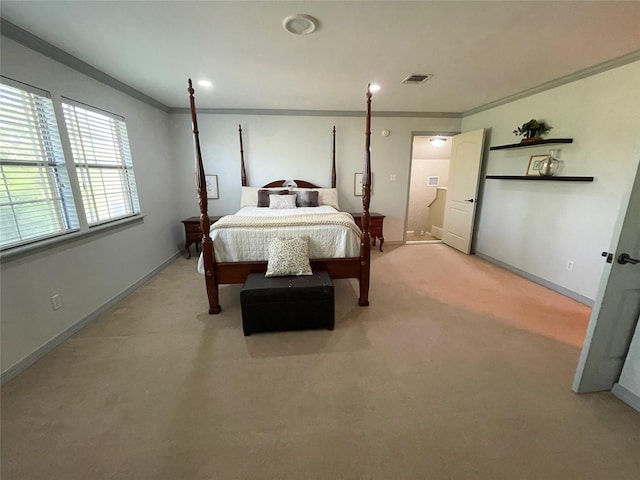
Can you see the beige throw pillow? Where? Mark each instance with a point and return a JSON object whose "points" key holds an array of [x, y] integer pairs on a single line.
{"points": [[288, 256]]}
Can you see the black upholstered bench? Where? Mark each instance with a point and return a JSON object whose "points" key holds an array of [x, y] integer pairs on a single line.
{"points": [[287, 303]]}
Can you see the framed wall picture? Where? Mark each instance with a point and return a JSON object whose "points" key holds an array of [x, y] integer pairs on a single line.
{"points": [[357, 184], [535, 162], [212, 186]]}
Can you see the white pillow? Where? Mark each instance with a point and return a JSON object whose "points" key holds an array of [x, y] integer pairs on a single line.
{"points": [[249, 197], [288, 256], [279, 202], [328, 196]]}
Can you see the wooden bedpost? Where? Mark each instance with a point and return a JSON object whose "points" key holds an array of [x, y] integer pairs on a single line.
{"points": [[243, 172], [333, 163], [365, 246], [205, 223]]}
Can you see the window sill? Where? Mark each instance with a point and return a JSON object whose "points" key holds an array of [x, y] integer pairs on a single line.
{"points": [[29, 249]]}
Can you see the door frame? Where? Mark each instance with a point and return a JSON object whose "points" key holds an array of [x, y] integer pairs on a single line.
{"points": [[418, 133]]}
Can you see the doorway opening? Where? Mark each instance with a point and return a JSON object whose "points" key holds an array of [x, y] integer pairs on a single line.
{"points": [[430, 160]]}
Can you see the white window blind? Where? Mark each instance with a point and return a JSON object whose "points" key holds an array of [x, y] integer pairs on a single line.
{"points": [[35, 196], [100, 149]]}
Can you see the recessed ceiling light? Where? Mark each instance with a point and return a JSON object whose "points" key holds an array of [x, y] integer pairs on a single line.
{"points": [[300, 24], [374, 87], [204, 83]]}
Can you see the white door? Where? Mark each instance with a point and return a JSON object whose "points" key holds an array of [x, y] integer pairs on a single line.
{"points": [[615, 313], [462, 191]]}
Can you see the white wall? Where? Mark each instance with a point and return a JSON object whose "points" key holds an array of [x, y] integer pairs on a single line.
{"points": [[537, 227], [300, 147], [88, 272]]}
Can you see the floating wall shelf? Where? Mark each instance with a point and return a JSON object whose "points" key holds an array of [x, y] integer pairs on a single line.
{"points": [[555, 179], [532, 144]]}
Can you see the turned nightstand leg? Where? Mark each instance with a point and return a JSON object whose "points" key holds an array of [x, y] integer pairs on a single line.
{"points": [[381, 242], [186, 246]]}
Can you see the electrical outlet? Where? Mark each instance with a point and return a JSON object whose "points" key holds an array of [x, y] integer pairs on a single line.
{"points": [[570, 265], [56, 302], [393, 177]]}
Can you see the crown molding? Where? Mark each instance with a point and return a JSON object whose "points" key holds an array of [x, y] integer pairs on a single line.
{"points": [[29, 40], [580, 74], [314, 113]]}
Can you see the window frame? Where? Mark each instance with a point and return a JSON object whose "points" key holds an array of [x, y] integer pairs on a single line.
{"points": [[121, 161], [35, 120]]}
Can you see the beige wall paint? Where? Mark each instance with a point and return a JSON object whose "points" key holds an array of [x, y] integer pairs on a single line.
{"points": [[421, 195]]}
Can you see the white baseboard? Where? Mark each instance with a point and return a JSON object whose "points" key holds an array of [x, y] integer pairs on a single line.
{"points": [[540, 281], [436, 231], [627, 396]]}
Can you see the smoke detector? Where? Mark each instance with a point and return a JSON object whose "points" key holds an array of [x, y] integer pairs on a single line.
{"points": [[417, 78], [300, 24]]}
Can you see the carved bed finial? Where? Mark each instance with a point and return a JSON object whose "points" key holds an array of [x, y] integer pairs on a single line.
{"points": [[333, 163], [243, 172]]}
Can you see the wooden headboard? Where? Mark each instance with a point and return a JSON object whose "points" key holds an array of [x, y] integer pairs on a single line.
{"points": [[299, 183]]}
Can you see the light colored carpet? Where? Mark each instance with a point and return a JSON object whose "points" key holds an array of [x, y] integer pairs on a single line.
{"points": [[457, 370]]}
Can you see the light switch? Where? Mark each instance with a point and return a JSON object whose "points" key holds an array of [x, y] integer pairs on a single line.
{"points": [[393, 177]]}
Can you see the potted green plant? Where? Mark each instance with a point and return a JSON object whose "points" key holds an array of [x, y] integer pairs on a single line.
{"points": [[532, 130]]}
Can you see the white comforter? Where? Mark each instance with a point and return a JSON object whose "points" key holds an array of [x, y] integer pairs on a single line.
{"points": [[251, 244]]}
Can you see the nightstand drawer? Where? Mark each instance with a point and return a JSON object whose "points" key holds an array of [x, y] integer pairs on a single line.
{"points": [[192, 227]]}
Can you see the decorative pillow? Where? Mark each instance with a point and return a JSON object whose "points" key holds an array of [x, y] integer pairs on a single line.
{"points": [[282, 201], [263, 196], [288, 256], [307, 198]]}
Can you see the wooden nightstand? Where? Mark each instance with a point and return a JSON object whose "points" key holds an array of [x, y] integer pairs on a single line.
{"points": [[375, 226], [193, 232]]}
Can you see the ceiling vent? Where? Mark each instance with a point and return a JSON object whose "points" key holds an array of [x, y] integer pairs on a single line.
{"points": [[417, 78]]}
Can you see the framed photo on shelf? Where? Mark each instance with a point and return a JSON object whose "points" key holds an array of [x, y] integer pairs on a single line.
{"points": [[357, 184], [535, 162], [212, 186]]}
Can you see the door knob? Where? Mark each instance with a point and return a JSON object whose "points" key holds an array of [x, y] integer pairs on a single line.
{"points": [[470, 200], [625, 258]]}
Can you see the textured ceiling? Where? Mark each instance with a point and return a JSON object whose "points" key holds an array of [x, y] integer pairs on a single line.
{"points": [[479, 51]]}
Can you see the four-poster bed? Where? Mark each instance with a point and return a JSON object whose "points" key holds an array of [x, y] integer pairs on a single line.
{"points": [[353, 262]]}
